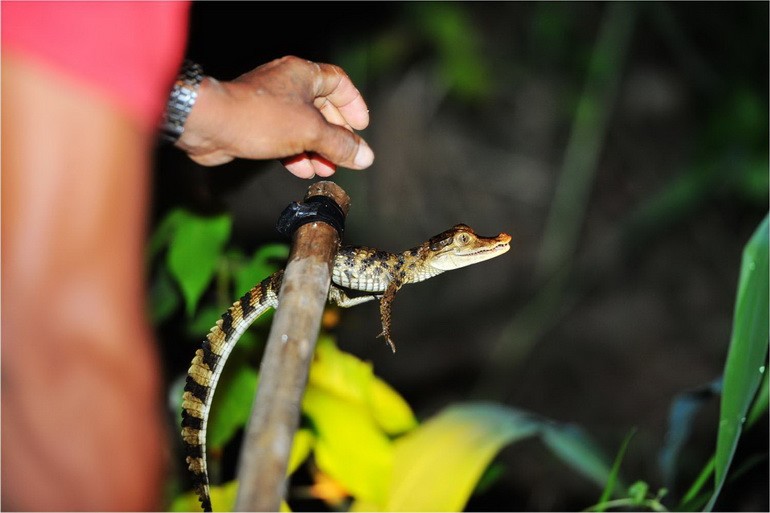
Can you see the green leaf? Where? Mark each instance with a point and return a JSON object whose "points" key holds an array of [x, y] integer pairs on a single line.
{"points": [[754, 180], [164, 231], [205, 318], [164, 297], [637, 492], [609, 489], [261, 265], [747, 354], [490, 476], [232, 404], [575, 448], [195, 247], [437, 466], [693, 499], [761, 402]]}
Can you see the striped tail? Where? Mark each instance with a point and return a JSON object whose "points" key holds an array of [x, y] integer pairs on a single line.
{"points": [[204, 372]]}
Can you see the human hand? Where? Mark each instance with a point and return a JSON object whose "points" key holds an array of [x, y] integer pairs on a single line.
{"points": [[299, 111]]}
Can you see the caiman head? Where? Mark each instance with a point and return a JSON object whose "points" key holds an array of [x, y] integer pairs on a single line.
{"points": [[461, 246]]}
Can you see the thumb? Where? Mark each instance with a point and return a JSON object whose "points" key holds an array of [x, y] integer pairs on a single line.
{"points": [[342, 147]]}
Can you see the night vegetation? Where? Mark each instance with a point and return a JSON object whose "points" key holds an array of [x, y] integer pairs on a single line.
{"points": [[614, 359]]}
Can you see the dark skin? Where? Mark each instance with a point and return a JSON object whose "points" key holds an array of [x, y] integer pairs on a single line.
{"points": [[306, 114], [77, 347]]}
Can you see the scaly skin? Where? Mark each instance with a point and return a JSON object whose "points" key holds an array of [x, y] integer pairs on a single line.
{"points": [[355, 268]]}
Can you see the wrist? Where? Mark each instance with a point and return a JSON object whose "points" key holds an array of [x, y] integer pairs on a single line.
{"points": [[181, 100], [205, 118]]}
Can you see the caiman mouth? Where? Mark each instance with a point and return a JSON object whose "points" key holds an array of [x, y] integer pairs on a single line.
{"points": [[483, 248], [501, 246], [486, 244], [501, 240]]}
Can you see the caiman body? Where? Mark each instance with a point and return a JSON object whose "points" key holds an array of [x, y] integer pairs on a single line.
{"points": [[355, 268]]}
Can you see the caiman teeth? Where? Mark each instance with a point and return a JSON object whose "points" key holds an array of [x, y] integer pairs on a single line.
{"points": [[497, 246]]}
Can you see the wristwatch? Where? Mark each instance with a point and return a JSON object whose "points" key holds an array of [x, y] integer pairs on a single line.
{"points": [[181, 100]]}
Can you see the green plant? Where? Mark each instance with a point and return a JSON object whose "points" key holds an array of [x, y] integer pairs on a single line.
{"points": [[366, 448], [743, 389], [364, 438], [745, 395]]}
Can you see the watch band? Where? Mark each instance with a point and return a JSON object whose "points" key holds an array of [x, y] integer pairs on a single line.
{"points": [[181, 100]]}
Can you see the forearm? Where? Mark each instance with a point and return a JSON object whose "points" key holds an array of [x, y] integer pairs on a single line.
{"points": [[80, 383]]}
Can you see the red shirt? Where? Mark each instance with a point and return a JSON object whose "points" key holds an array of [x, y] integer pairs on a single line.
{"points": [[129, 52]]}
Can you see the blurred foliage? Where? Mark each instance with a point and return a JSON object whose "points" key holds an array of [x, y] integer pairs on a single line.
{"points": [[194, 256], [360, 442], [450, 32], [731, 159], [366, 444], [638, 498], [614, 476], [681, 421], [442, 30], [744, 384], [367, 447], [589, 129], [743, 390]]}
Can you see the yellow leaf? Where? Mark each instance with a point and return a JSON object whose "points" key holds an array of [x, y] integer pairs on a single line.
{"points": [[351, 448], [353, 380], [222, 499], [339, 373], [437, 465], [223, 496], [389, 409], [300, 449]]}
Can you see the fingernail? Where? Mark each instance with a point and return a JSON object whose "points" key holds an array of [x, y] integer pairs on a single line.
{"points": [[364, 156]]}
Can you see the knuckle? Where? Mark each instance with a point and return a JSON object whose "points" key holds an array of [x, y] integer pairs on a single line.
{"points": [[288, 59], [338, 70]]}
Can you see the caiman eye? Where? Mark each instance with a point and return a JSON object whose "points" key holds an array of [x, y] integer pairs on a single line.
{"points": [[462, 239]]}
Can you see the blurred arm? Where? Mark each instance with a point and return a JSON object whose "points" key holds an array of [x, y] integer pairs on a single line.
{"points": [[81, 428]]}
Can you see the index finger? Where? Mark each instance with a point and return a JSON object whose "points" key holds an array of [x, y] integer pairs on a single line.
{"points": [[332, 83]]}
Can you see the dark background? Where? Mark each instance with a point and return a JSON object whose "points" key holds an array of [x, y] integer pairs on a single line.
{"points": [[473, 106]]}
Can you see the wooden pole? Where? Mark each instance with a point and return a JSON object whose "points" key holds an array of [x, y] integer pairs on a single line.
{"points": [[285, 365]]}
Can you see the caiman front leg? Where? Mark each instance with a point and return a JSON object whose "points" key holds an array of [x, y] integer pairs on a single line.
{"points": [[339, 298], [385, 302]]}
